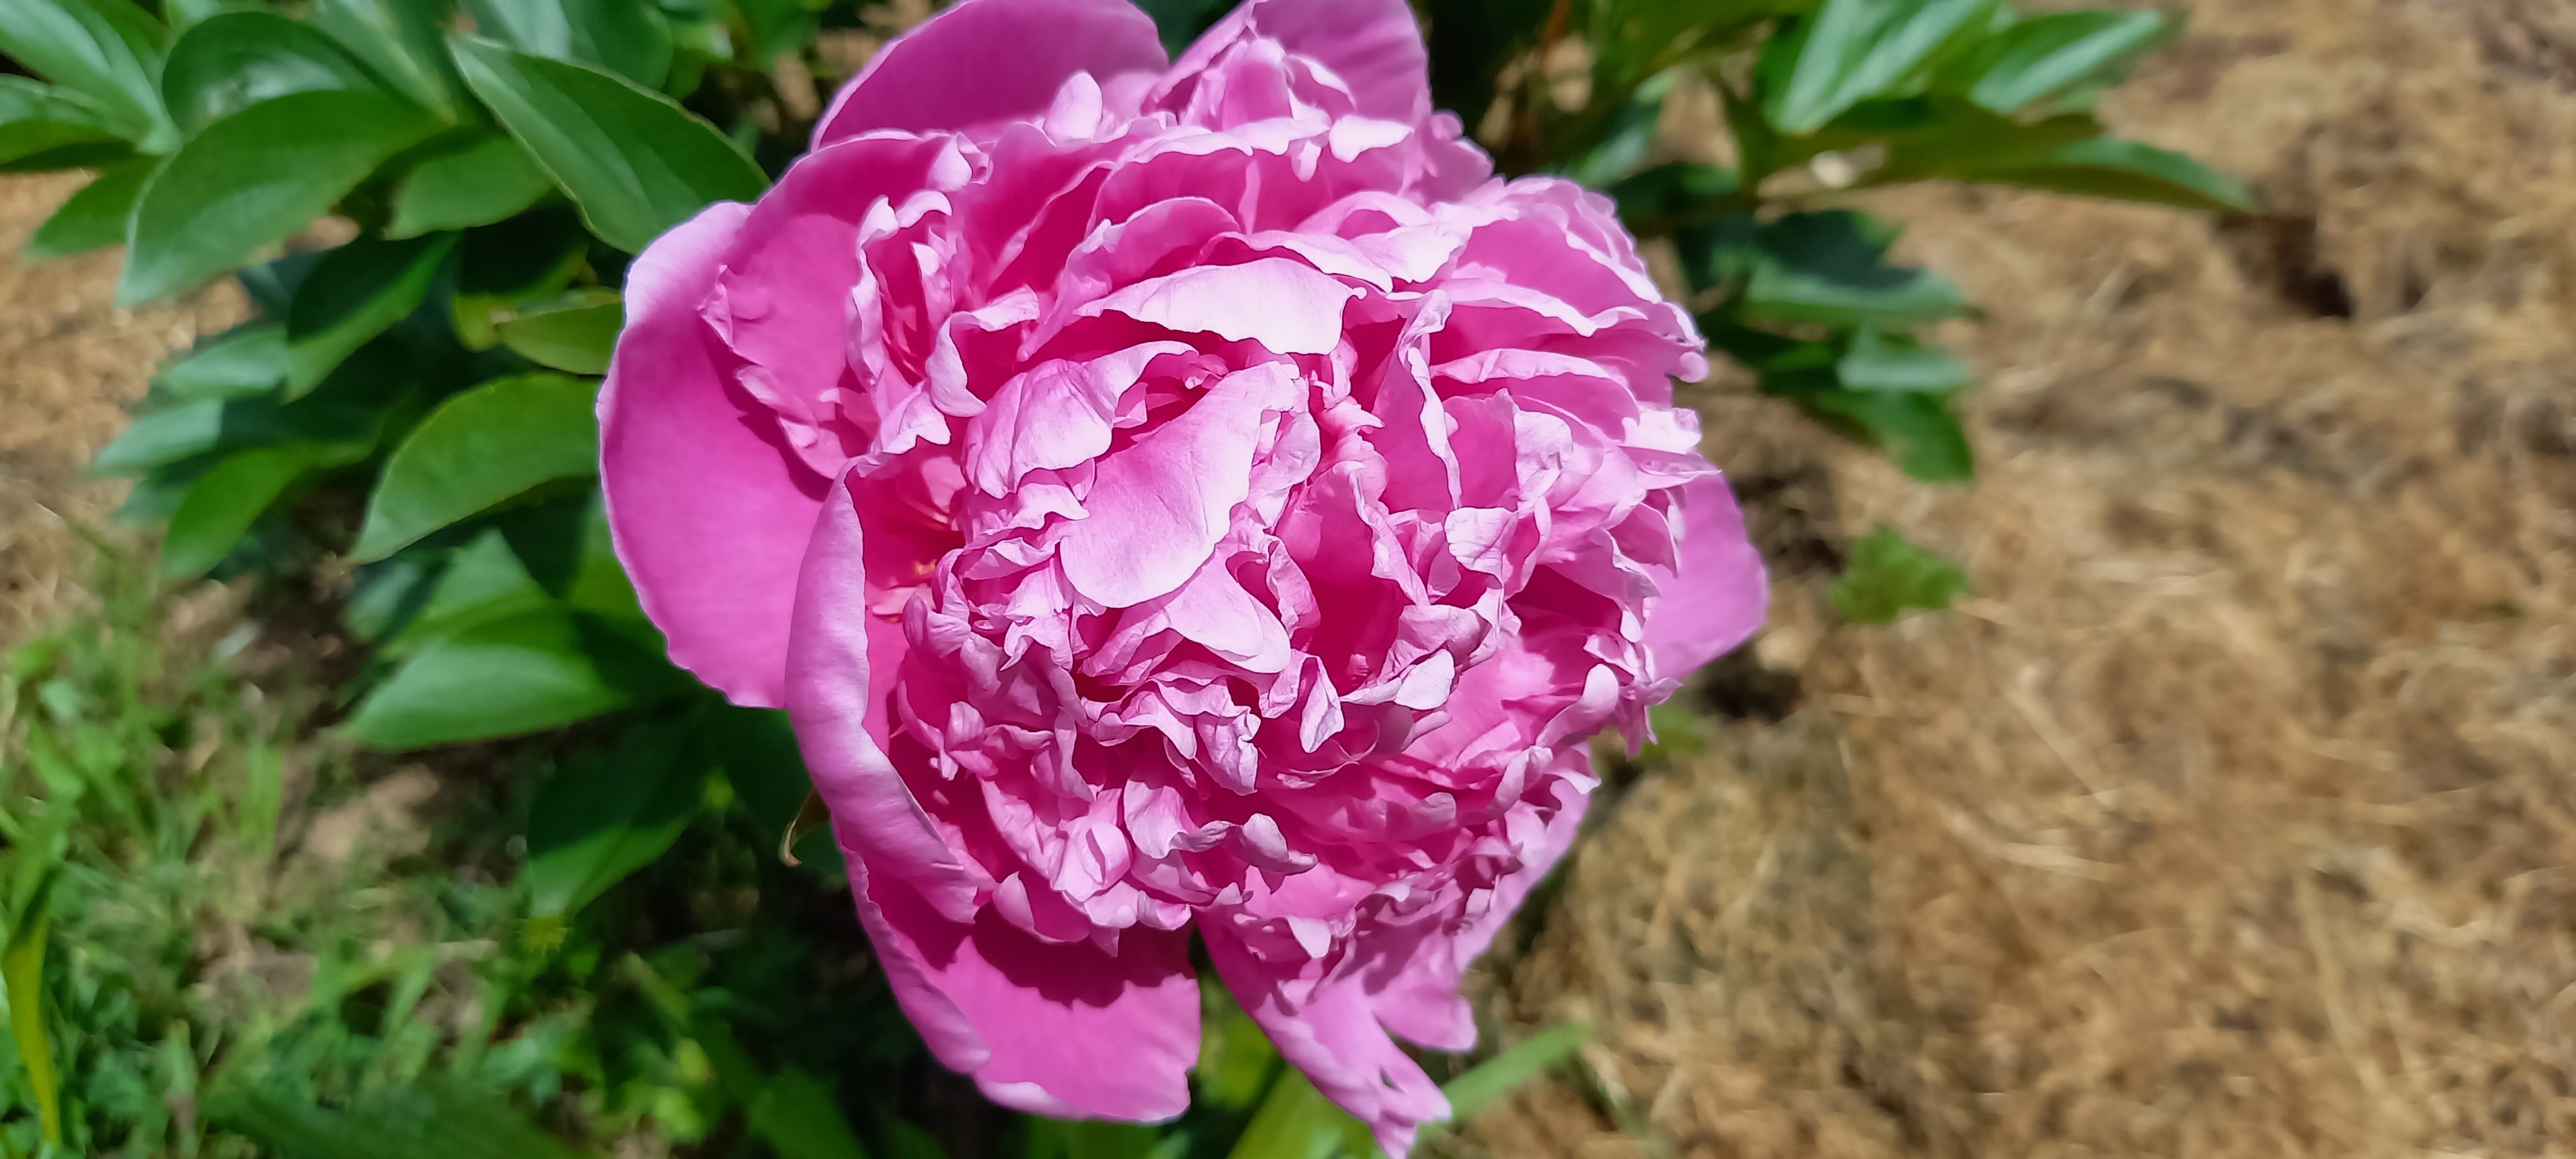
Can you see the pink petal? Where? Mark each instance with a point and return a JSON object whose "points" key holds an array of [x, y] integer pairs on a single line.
{"points": [[1284, 304], [1720, 594], [841, 662], [1064, 1030], [1373, 46], [709, 513], [1331, 1032], [1159, 506], [984, 62]]}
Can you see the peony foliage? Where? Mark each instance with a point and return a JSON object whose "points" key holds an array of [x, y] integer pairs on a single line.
{"points": [[1171, 491]]}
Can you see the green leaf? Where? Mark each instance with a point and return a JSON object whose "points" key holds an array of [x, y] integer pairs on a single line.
{"points": [[22, 972], [2119, 170], [633, 161], [577, 336], [1471, 41], [401, 41], [221, 505], [1089, 1139], [1917, 428], [106, 50], [94, 217], [235, 60], [1500, 1075], [433, 1119], [477, 450], [624, 37], [2044, 56], [1236, 1061], [527, 673], [610, 813], [240, 362], [1852, 50], [1675, 195], [795, 1112], [353, 294], [1623, 139], [256, 177], [488, 178], [1829, 267], [757, 748], [1879, 361], [1296, 1121], [483, 581], [1887, 575], [46, 127]]}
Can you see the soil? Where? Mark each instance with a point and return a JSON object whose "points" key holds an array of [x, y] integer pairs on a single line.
{"points": [[70, 362], [2233, 814]]}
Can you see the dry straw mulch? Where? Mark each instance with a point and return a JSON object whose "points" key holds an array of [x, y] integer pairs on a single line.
{"points": [[2235, 815]]}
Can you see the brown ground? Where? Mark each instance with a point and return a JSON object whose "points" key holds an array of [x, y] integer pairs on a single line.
{"points": [[2232, 817], [2235, 815], [69, 363]]}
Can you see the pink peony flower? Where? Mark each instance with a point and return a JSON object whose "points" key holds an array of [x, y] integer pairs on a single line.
{"points": [[1170, 497]]}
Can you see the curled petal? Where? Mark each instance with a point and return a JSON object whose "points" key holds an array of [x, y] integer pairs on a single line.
{"points": [[1373, 46], [982, 63], [708, 512]]}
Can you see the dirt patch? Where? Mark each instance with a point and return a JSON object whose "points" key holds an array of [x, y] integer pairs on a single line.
{"points": [[2233, 816], [70, 362]]}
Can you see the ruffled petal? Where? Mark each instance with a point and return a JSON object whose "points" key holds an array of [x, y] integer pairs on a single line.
{"points": [[1719, 593], [1373, 46], [1330, 1031], [709, 514], [985, 62]]}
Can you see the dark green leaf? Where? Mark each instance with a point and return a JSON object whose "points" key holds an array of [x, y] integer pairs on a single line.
{"points": [[1916, 428], [2043, 56], [1623, 139], [1091, 1139], [402, 42], [795, 1112], [108, 51], [1677, 194], [635, 162], [1180, 21], [1830, 267], [483, 581], [46, 127], [622, 36], [487, 178], [1852, 50], [531, 672], [1879, 361], [610, 813], [95, 217], [237, 59], [254, 178], [477, 450], [525, 259], [577, 336], [353, 294], [221, 505], [757, 748], [22, 974], [1888, 575], [2119, 170], [1470, 41], [434, 1119]]}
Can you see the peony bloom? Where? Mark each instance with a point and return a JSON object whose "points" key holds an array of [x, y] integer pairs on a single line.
{"points": [[1173, 497]]}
